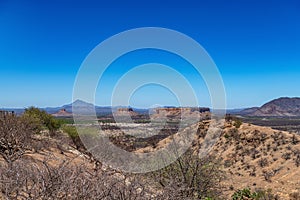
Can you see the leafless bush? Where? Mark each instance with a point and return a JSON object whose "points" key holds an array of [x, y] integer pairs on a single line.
{"points": [[254, 153], [253, 171], [268, 175], [263, 162], [286, 155], [294, 140], [190, 178], [295, 195], [15, 137], [297, 158], [25, 179], [233, 133], [49, 179]]}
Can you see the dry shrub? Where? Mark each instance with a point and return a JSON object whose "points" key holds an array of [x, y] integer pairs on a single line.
{"points": [[16, 137], [25, 179], [190, 178]]}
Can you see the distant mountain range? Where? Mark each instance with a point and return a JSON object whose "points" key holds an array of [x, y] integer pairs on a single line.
{"points": [[82, 107], [282, 107]]}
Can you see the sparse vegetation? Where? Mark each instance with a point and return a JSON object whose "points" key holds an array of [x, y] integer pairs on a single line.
{"points": [[297, 160], [73, 134], [263, 162], [64, 180], [190, 178], [237, 122], [246, 193], [286, 156], [42, 120]]}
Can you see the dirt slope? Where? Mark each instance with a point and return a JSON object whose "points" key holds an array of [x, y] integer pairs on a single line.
{"points": [[253, 157]]}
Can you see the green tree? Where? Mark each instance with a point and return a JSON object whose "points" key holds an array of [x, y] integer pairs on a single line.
{"points": [[42, 120]]}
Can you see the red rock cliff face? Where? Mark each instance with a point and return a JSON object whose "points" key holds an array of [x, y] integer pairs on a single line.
{"points": [[125, 111], [177, 112], [62, 113]]}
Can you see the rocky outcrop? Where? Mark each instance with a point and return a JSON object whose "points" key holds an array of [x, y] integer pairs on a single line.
{"points": [[178, 112], [125, 112], [62, 113]]}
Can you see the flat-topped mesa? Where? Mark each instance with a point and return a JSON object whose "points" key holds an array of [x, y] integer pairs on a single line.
{"points": [[62, 113], [181, 112], [120, 110], [180, 109], [125, 111]]}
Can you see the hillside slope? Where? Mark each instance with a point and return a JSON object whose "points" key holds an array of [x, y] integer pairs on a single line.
{"points": [[253, 157], [282, 107]]}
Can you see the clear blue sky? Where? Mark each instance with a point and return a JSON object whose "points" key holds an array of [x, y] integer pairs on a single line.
{"points": [[255, 44]]}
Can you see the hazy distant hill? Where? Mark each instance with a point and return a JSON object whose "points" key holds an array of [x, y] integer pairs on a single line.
{"points": [[83, 107], [282, 107]]}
